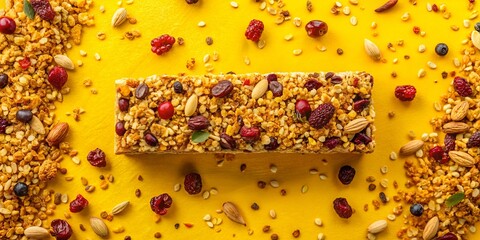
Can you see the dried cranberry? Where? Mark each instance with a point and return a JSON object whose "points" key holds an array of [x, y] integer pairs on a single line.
{"points": [[150, 139], [342, 208], [162, 44], [250, 134], [43, 9], [474, 140], [436, 153], [346, 174], [276, 88], [58, 77], [405, 92], [78, 204], [7, 25], [312, 84], [462, 87], [222, 88], [123, 104], [161, 203], [254, 30], [332, 142], [316, 28], [272, 77], [227, 142], [448, 236], [272, 145], [321, 115], [61, 230], [25, 63], [3, 125], [302, 108], [361, 104], [361, 138], [198, 123], [449, 142], [193, 183], [165, 110], [97, 158], [120, 128]]}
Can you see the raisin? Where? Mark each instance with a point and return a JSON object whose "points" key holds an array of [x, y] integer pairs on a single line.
{"points": [[3, 125], [336, 79], [193, 183], [342, 208], [271, 77], [321, 115], [346, 174], [276, 88], [312, 84], [361, 138], [78, 204], [141, 91], [222, 89], [448, 236], [123, 104], [436, 153], [43, 9], [161, 203], [361, 104], [474, 140], [151, 140], [227, 142], [449, 142], [177, 87], [120, 128], [198, 123], [272, 145], [61, 230], [332, 142], [462, 87], [97, 158]]}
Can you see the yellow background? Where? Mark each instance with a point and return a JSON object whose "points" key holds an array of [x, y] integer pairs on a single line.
{"points": [[226, 25]]}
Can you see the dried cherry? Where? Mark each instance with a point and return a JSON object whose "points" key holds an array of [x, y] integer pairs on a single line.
{"points": [[78, 204], [193, 183]]}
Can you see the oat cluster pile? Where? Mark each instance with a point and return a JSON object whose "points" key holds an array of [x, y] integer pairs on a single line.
{"points": [[26, 57]]}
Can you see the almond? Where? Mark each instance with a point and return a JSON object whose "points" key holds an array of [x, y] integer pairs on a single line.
{"points": [[120, 207], [431, 228], [35, 232], [377, 226], [119, 17], [372, 50], [64, 61], [57, 134], [462, 158], [455, 127], [37, 125], [459, 111], [260, 89], [99, 227], [356, 125], [191, 105], [411, 147], [232, 212]]}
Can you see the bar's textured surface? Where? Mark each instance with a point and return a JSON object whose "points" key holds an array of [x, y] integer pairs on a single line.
{"points": [[254, 117]]}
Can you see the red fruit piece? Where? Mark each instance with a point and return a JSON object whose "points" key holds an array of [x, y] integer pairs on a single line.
{"points": [[448, 236], [3, 125], [346, 174], [332, 142], [416, 29], [61, 230], [462, 87], [302, 108], [165, 110], [436, 153], [161, 203], [321, 115], [78, 204], [43, 9], [342, 208], [193, 183], [162, 44], [272, 77], [361, 138], [474, 140], [7, 25], [405, 92], [254, 30], [97, 158], [312, 84], [25, 63], [449, 142], [58, 77], [272, 145], [250, 134], [316, 28], [361, 104]]}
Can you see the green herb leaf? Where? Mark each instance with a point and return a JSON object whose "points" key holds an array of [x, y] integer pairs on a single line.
{"points": [[455, 199], [200, 136], [28, 9]]}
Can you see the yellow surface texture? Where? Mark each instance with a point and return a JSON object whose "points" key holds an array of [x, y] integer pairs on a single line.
{"points": [[226, 25]]}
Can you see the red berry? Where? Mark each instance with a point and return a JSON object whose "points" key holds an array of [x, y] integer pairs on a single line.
{"points": [[435, 7], [43, 9], [58, 77], [254, 30], [162, 44], [361, 104], [342, 208], [272, 77], [332, 142], [151, 140], [25, 63], [250, 134], [97, 158], [120, 128], [312, 84], [346, 174], [436, 153], [61, 230], [462, 87], [7, 25], [321, 115], [316, 28], [474, 140], [448, 236], [416, 30], [361, 138], [78, 204], [449, 142], [405, 92], [193, 183], [302, 108], [165, 110], [161, 203]]}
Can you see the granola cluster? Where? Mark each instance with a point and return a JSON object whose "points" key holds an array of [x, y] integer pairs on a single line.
{"points": [[271, 114], [25, 156]]}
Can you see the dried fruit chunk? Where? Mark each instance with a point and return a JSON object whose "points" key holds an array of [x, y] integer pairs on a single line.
{"points": [[316, 28], [342, 208], [321, 115], [162, 44], [78, 204], [43, 9], [61, 230], [222, 88], [161, 203], [97, 158], [58, 77], [165, 110], [250, 134], [193, 183], [405, 92], [346, 174], [462, 86], [474, 140], [254, 30], [227, 142], [7, 25], [198, 123]]}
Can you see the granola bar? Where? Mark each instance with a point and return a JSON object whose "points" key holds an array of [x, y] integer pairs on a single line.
{"points": [[285, 112]]}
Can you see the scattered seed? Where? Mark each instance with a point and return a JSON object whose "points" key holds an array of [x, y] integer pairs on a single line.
{"points": [[254, 206], [391, 217], [90, 188], [421, 48], [207, 217], [246, 60], [261, 44], [261, 184], [243, 167], [431, 65], [283, 192], [393, 156], [304, 189], [138, 193], [273, 168], [288, 37], [339, 51], [234, 4], [213, 191], [97, 57], [297, 21], [157, 235], [266, 228], [318, 222], [313, 171], [273, 214], [274, 184], [296, 233], [209, 41], [372, 187], [201, 24], [384, 183], [353, 21], [323, 176], [206, 195], [384, 169], [76, 160], [421, 73], [320, 236], [405, 17], [64, 198], [177, 187], [297, 52], [84, 181]]}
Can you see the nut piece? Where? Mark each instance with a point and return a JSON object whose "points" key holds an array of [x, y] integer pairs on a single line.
{"points": [[260, 89], [356, 125], [462, 158], [372, 50], [120, 207], [475, 37], [377, 226], [35, 232], [57, 134], [191, 105], [37, 125], [455, 127], [99, 227], [411, 147], [232, 213], [119, 17], [64, 61], [459, 111], [431, 228]]}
